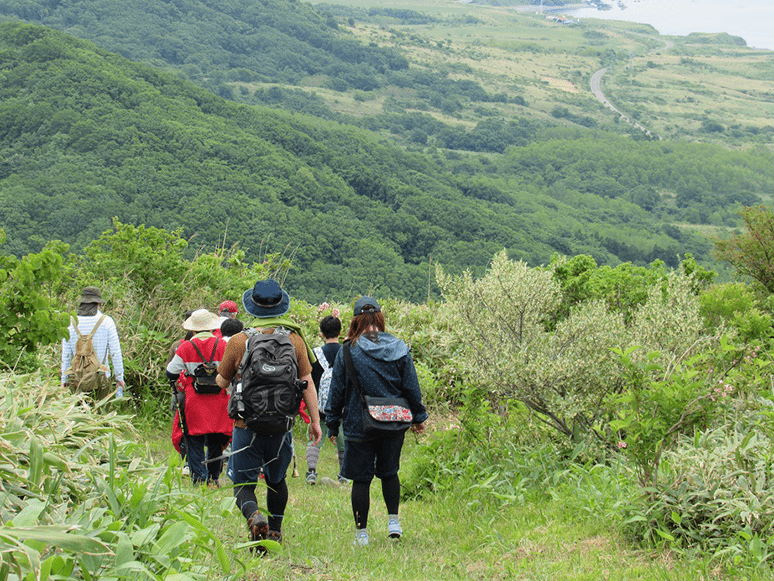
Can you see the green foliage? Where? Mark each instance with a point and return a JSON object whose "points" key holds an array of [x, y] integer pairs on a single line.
{"points": [[736, 306], [490, 459], [715, 498], [28, 317], [623, 288], [82, 500], [150, 259], [750, 253], [657, 406]]}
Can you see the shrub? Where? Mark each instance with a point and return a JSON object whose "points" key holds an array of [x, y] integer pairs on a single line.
{"points": [[500, 321], [716, 497], [28, 316]]}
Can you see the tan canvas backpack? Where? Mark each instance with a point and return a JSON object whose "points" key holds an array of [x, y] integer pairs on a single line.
{"points": [[86, 372]]}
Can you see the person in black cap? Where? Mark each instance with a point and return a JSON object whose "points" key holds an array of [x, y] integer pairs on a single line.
{"points": [[254, 453], [384, 368], [105, 339]]}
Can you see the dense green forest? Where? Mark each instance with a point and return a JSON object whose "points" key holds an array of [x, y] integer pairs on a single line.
{"points": [[86, 135], [281, 53], [271, 39]]}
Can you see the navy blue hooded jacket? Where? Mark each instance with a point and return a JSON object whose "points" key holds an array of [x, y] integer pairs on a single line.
{"points": [[385, 369]]}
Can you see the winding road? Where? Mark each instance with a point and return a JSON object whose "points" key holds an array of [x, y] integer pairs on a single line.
{"points": [[596, 88]]}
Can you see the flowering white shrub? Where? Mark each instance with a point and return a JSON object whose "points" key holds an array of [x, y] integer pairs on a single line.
{"points": [[516, 345]]}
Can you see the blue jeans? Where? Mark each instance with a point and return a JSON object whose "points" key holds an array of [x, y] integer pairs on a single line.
{"points": [[251, 453], [201, 472]]}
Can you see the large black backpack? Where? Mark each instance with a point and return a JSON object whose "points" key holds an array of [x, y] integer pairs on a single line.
{"points": [[268, 393]]}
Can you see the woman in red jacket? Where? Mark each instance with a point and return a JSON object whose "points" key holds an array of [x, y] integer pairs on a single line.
{"points": [[205, 414]]}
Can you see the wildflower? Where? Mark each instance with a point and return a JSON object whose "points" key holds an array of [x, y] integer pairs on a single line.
{"points": [[622, 444], [323, 307], [336, 313]]}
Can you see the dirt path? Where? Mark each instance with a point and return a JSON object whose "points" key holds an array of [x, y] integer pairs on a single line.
{"points": [[596, 88]]}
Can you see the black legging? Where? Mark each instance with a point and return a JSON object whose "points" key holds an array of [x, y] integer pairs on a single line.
{"points": [[361, 499], [276, 501]]}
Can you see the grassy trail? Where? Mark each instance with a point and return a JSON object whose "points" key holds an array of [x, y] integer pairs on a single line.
{"points": [[449, 536]]}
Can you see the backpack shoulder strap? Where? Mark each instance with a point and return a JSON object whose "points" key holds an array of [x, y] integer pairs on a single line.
{"points": [[74, 323], [251, 332], [351, 373], [199, 353], [318, 352], [280, 330], [214, 349], [94, 330]]}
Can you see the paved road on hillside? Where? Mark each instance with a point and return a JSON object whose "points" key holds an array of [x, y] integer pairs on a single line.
{"points": [[596, 87]]}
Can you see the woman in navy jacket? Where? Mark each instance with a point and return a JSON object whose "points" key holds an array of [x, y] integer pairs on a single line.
{"points": [[385, 369]]}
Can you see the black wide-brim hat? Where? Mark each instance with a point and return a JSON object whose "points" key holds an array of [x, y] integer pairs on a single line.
{"points": [[266, 299]]}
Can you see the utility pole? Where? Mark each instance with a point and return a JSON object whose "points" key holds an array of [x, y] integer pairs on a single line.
{"points": [[430, 272]]}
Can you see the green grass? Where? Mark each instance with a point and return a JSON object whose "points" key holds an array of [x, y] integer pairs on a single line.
{"points": [[104, 485], [455, 536], [522, 53]]}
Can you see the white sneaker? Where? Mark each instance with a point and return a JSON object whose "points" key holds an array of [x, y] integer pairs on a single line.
{"points": [[361, 540], [186, 470], [393, 527]]}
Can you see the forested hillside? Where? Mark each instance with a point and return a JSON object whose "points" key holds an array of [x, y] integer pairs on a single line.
{"points": [[86, 135], [244, 40]]}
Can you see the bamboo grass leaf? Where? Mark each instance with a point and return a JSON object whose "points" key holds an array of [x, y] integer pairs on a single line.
{"points": [[29, 515], [220, 552], [124, 550], [172, 538], [56, 536], [36, 462], [136, 567]]}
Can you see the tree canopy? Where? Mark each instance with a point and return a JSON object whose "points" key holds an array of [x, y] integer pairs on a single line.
{"points": [[87, 136]]}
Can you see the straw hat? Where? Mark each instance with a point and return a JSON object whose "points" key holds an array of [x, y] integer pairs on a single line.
{"points": [[202, 320]]}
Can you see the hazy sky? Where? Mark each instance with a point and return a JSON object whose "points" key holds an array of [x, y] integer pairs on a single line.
{"points": [[753, 20]]}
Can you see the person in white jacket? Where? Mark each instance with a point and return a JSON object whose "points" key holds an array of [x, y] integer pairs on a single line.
{"points": [[105, 339]]}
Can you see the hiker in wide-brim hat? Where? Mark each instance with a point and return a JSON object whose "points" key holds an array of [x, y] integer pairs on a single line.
{"points": [[266, 299], [105, 341], [266, 454], [201, 428], [202, 320]]}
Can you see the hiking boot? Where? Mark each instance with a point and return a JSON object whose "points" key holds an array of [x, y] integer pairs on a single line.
{"points": [[361, 539], [275, 536], [259, 527], [394, 529], [311, 478]]}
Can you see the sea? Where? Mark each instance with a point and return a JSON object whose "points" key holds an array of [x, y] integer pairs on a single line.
{"points": [[753, 20]]}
